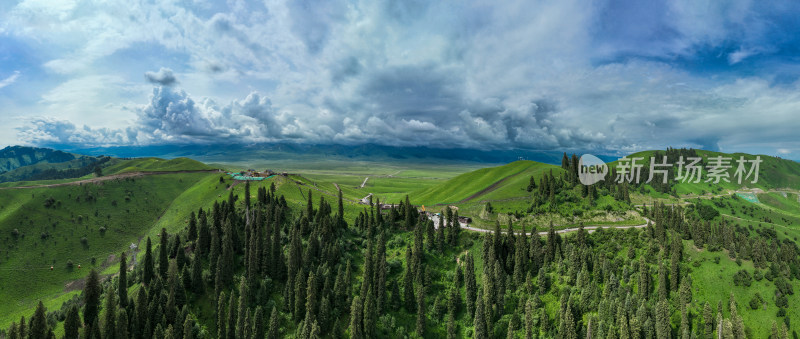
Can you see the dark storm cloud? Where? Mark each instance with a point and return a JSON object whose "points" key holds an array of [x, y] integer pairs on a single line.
{"points": [[163, 77]]}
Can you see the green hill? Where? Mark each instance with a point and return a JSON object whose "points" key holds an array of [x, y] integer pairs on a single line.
{"points": [[773, 173], [13, 157], [87, 225], [501, 182], [155, 165]]}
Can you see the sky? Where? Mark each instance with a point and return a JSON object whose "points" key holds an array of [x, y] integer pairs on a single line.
{"points": [[614, 76]]}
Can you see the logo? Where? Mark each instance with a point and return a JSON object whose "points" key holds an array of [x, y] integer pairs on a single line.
{"points": [[591, 169]]}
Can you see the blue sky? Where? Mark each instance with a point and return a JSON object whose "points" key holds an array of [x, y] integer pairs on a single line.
{"points": [[611, 76]]}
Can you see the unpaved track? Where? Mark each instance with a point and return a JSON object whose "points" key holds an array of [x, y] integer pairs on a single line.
{"points": [[109, 177], [589, 229]]}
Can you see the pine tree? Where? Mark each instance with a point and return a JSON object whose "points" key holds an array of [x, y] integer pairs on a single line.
{"points": [[23, 328], [122, 288], [122, 324], [355, 319], [480, 320], [39, 326], [662, 320], [222, 314], [708, 319], [243, 301], [91, 297], [72, 323], [452, 332], [259, 328], [233, 311], [192, 227], [188, 329], [370, 315], [197, 276], [274, 324], [148, 273], [247, 195], [471, 286], [225, 270], [163, 259], [110, 309], [203, 234], [421, 311], [529, 319], [408, 283]]}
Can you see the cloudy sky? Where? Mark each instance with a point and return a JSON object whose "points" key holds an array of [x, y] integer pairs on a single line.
{"points": [[619, 75]]}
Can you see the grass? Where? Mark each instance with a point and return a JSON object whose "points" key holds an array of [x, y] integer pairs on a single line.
{"points": [[52, 236], [156, 164], [511, 181], [709, 276]]}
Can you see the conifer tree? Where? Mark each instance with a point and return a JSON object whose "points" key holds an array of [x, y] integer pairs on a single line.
{"points": [[192, 227], [241, 327], [247, 194], [39, 326], [226, 267], [408, 283], [708, 319], [197, 276], [471, 286], [147, 271], [274, 324], [259, 328], [356, 330], [110, 309], [662, 320], [421, 311], [203, 234], [233, 311], [122, 324], [72, 323], [163, 259], [451, 327], [222, 315], [122, 288], [480, 320], [370, 315], [188, 326], [91, 297]]}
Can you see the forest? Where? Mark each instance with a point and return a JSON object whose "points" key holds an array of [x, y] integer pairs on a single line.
{"points": [[257, 268]]}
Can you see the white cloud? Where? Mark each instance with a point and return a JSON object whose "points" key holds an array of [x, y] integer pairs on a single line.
{"points": [[10, 80], [489, 75]]}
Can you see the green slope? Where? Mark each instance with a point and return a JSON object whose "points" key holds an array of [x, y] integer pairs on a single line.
{"points": [[773, 173], [46, 236], [13, 157], [501, 182], [156, 164]]}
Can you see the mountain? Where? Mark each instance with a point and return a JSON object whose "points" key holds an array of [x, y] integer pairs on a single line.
{"points": [[316, 152], [13, 157]]}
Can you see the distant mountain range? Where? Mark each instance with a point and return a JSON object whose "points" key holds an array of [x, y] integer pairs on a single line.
{"points": [[242, 152]]}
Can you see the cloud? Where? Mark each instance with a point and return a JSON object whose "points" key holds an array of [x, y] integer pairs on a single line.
{"points": [[163, 77], [615, 75], [10, 80]]}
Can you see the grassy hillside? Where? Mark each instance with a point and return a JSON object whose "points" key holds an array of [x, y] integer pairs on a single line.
{"points": [[13, 157], [773, 173], [87, 225], [156, 164], [499, 182]]}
